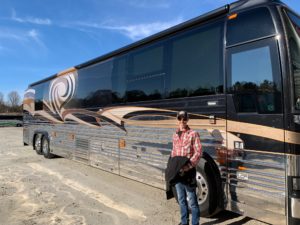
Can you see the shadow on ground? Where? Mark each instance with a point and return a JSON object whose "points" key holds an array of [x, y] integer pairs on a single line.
{"points": [[226, 216]]}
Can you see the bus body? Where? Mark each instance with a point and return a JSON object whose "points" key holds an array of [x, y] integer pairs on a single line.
{"points": [[236, 70]]}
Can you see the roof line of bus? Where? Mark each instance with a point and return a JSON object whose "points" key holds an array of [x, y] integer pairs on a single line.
{"points": [[238, 5]]}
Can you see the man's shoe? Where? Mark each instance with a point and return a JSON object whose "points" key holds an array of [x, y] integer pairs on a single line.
{"points": [[182, 224]]}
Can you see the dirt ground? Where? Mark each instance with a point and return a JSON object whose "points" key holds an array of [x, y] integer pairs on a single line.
{"points": [[35, 190]]}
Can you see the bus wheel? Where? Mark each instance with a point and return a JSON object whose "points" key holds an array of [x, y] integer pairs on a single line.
{"points": [[38, 144], [46, 148], [207, 190]]}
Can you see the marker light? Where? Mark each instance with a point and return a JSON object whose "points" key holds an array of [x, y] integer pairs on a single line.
{"points": [[232, 16], [242, 168]]}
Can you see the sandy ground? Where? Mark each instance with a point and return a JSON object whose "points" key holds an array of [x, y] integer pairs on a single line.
{"points": [[35, 190]]}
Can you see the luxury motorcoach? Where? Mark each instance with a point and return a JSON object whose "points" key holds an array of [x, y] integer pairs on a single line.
{"points": [[236, 70]]}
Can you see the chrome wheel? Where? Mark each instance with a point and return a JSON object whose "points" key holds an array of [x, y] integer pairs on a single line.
{"points": [[37, 144], [45, 147], [202, 190]]}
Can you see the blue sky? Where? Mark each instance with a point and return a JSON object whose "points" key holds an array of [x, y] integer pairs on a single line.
{"points": [[39, 38]]}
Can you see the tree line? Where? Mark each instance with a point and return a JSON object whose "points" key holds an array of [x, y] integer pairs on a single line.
{"points": [[13, 103]]}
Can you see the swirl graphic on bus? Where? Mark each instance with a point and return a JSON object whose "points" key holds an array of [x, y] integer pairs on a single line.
{"points": [[61, 91]]}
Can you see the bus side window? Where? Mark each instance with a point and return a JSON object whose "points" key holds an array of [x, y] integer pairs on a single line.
{"points": [[146, 74], [293, 34], [254, 77], [250, 25], [94, 86], [196, 64], [119, 79], [39, 96]]}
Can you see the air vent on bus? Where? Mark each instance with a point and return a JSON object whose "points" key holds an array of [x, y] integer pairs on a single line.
{"points": [[81, 152]]}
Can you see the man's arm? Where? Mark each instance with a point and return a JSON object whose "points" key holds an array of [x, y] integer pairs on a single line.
{"points": [[196, 145], [197, 150]]}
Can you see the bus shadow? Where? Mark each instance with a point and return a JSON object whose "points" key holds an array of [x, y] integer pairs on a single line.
{"points": [[226, 216]]}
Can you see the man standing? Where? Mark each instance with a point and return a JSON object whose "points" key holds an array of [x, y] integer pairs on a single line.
{"points": [[186, 144]]}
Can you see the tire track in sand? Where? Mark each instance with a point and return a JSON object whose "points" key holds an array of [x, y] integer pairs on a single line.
{"points": [[130, 212]]}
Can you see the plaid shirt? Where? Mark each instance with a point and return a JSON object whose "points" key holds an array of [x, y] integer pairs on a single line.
{"points": [[188, 144]]}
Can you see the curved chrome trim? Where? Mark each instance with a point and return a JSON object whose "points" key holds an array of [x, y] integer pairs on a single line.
{"points": [[293, 165]]}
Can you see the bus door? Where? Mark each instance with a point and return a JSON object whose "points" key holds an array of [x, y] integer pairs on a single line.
{"points": [[255, 136]]}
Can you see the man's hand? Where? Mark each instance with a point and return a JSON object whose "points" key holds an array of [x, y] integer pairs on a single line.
{"points": [[185, 169]]}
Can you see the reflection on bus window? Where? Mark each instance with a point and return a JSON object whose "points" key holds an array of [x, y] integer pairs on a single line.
{"points": [[41, 91], [293, 35], [255, 79], [146, 77], [94, 86], [196, 62]]}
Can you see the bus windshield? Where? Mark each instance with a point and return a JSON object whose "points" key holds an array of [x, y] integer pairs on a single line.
{"points": [[293, 35]]}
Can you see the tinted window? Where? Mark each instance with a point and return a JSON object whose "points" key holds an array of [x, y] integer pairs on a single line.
{"points": [[187, 64], [40, 90], [293, 32], [119, 79], [196, 62], [147, 61], [250, 25], [146, 77], [95, 85], [254, 77]]}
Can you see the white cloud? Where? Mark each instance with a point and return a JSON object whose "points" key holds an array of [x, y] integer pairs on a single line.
{"points": [[10, 35], [32, 20], [27, 39], [139, 31], [135, 31], [34, 35]]}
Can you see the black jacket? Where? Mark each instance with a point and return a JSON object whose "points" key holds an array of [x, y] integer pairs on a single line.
{"points": [[173, 175]]}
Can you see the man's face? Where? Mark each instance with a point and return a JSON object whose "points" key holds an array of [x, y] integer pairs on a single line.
{"points": [[182, 123]]}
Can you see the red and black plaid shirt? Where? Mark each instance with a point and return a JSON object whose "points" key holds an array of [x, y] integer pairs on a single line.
{"points": [[187, 144]]}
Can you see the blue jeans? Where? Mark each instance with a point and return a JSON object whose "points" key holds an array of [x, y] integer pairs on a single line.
{"points": [[185, 192]]}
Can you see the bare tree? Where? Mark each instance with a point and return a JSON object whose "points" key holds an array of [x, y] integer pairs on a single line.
{"points": [[14, 100], [1, 98], [2, 103]]}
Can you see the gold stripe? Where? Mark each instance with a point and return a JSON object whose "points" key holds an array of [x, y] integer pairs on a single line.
{"points": [[47, 116], [70, 70], [28, 101], [292, 137], [257, 130], [264, 131], [117, 115]]}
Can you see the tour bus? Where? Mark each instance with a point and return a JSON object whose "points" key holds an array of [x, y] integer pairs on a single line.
{"points": [[236, 70]]}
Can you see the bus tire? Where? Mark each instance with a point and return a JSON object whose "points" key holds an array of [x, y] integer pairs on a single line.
{"points": [[38, 144], [46, 148], [207, 189]]}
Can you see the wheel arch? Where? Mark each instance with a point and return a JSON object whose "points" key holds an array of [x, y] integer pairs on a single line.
{"points": [[213, 170]]}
